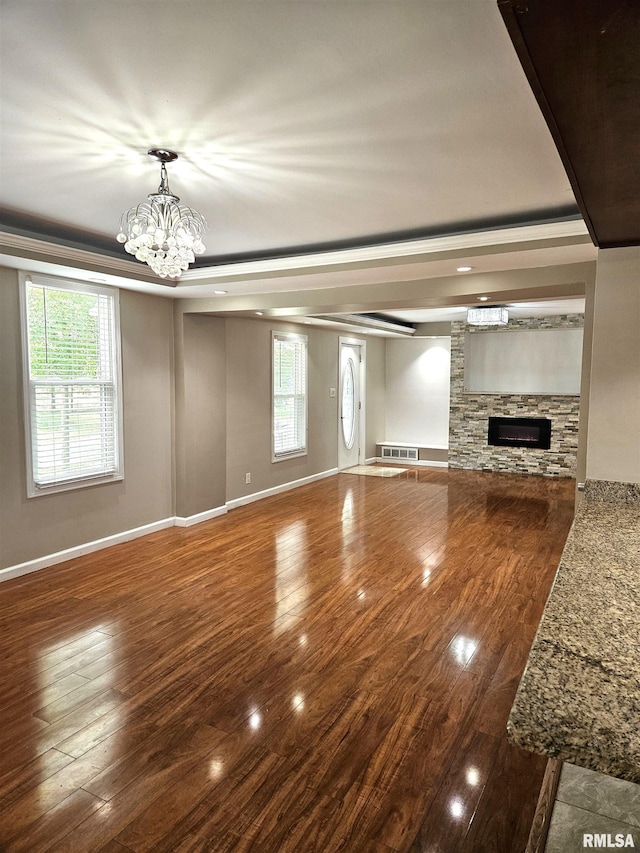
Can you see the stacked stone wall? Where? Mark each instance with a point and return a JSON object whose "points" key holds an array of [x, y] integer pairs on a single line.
{"points": [[469, 413]]}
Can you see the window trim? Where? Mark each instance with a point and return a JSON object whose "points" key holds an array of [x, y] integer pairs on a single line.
{"points": [[64, 485], [294, 454]]}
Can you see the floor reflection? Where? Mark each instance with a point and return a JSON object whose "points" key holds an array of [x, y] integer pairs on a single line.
{"points": [[72, 707], [463, 649], [216, 768], [291, 574], [348, 521], [473, 776], [456, 808], [347, 516], [350, 527], [510, 508]]}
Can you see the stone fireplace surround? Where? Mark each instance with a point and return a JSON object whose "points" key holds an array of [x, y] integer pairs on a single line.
{"points": [[469, 414]]}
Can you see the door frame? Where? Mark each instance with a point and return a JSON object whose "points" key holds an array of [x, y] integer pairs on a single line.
{"points": [[354, 342]]}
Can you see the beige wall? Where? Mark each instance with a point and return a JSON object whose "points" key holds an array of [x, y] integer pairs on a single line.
{"points": [[375, 395], [249, 407], [200, 413], [197, 418], [613, 444], [197, 413], [34, 527], [585, 387]]}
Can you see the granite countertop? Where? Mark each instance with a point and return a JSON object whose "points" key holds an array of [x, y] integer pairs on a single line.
{"points": [[579, 697]]}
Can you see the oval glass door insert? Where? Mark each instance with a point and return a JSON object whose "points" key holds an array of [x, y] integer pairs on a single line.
{"points": [[348, 404]]}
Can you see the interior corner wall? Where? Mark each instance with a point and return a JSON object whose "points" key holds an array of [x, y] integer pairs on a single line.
{"points": [[613, 444], [200, 413], [36, 527]]}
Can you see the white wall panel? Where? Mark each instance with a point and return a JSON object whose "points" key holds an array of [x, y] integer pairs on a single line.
{"points": [[524, 361], [417, 398]]}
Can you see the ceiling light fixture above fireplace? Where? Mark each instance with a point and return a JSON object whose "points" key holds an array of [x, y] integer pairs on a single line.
{"points": [[495, 315], [162, 232]]}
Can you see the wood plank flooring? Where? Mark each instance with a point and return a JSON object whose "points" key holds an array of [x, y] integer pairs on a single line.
{"points": [[326, 670]]}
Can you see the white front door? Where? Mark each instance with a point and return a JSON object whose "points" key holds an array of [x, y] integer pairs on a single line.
{"points": [[350, 410]]}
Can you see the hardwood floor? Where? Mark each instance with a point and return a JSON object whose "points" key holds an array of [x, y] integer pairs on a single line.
{"points": [[326, 670]]}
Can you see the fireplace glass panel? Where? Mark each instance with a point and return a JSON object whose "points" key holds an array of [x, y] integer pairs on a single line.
{"points": [[520, 432]]}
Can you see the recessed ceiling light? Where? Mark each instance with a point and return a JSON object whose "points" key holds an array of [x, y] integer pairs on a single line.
{"points": [[259, 313], [483, 298], [220, 292], [463, 269]]}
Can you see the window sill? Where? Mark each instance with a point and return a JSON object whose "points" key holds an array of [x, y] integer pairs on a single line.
{"points": [[34, 491], [283, 458]]}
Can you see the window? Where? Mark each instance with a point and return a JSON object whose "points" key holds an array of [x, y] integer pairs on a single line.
{"points": [[348, 416], [72, 384], [289, 395]]}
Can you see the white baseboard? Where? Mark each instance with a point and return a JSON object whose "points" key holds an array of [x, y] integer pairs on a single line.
{"points": [[80, 550], [181, 521], [425, 463], [371, 461], [174, 521], [276, 490]]}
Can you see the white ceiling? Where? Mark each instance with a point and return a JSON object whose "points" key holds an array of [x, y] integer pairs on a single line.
{"points": [[298, 124]]}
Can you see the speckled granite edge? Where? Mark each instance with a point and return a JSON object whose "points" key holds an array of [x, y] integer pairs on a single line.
{"points": [[579, 697], [609, 491]]}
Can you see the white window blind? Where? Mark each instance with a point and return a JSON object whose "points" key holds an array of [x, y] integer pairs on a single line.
{"points": [[289, 395], [72, 370]]}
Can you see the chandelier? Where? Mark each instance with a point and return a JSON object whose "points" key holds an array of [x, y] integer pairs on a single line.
{"points": [[162, 232], [488, 316]]}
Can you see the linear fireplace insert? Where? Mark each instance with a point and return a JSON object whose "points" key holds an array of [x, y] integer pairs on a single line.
{"points": [[520, 432]]}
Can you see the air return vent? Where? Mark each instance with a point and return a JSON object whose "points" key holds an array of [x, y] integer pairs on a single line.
{"points": [[400, 453]]}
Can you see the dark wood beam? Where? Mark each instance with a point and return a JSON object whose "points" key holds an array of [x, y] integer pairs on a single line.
{"points": [[582, 60]]}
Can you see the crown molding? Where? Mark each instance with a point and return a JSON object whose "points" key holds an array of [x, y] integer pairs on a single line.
{"points": [[30, 248], [565, 230], [23, 252]]}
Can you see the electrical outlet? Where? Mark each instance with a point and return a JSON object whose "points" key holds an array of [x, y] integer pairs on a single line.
{"points": [[247, 478], [332, 392]]}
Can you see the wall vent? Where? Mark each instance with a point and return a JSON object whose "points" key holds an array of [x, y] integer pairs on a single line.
{"points": [[406, 453]]}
